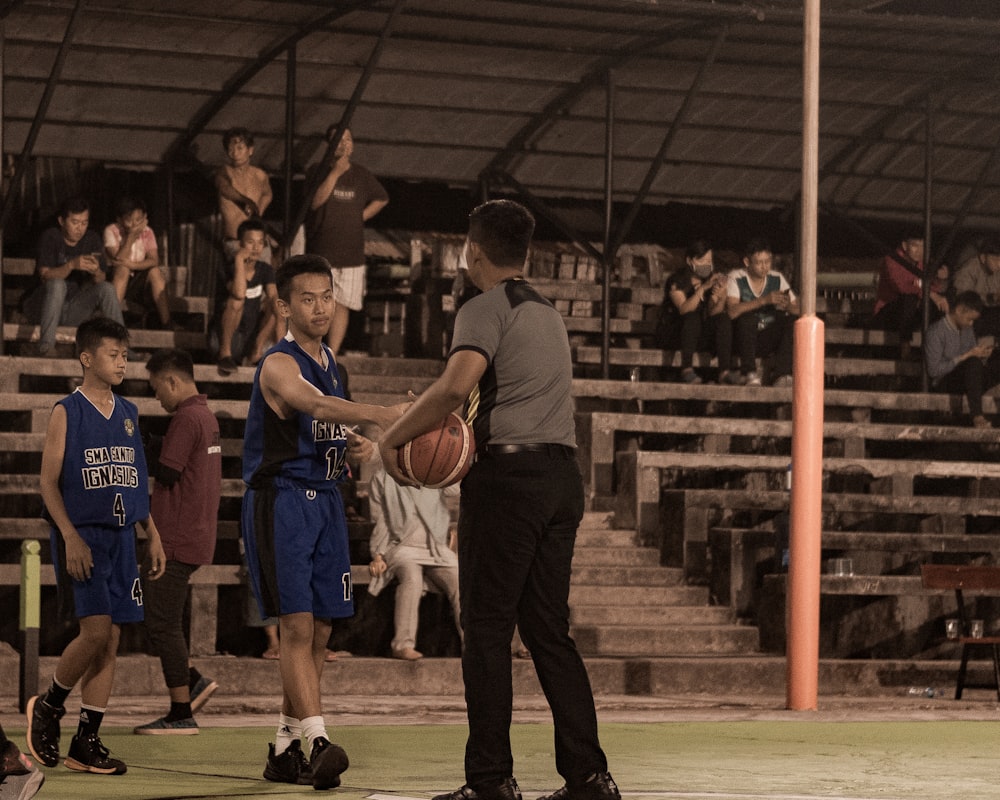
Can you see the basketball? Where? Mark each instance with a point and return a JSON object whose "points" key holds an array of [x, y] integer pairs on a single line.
{"points": [[441, 456]]}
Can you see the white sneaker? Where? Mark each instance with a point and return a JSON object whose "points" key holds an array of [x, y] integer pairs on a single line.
{"points": [[753, 379]]}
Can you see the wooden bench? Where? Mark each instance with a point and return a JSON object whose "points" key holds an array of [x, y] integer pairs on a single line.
{"points": [[716, 434], [973, 579], [596, 394], [680, 522], [648, 465], [739, 557]]}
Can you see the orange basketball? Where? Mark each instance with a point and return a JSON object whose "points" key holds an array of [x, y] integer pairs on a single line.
{"points": [[441, 456]]}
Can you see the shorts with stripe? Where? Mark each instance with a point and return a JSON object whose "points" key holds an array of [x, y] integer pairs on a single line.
{"points": [[297, 549], [113, 588], [349, 286]]}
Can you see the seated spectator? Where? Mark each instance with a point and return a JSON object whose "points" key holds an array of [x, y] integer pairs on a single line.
{"points": [[130, 246], [898, 295], [694, 315], [245, 316], [762, 304], [956, 362], [410, 543], [244, 190], [981, 274], [72, 277]]}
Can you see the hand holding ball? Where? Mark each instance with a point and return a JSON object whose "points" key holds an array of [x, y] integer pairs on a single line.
{"points": [[440, 457]]}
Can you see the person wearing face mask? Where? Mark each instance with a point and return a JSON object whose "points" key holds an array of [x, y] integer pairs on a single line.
{"points": [[694, 314]]}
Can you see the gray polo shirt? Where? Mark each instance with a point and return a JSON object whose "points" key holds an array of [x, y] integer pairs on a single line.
{"points": [[524, 395]]}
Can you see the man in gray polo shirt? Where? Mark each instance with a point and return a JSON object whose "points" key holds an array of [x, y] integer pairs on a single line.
{"points": [[521, 504]]}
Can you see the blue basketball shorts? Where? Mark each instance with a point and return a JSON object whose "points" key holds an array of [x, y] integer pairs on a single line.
{"points": [[297, 549], [113, 588]]}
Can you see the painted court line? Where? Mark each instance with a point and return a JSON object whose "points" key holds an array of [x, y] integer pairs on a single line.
{"points": [[690, 795]]}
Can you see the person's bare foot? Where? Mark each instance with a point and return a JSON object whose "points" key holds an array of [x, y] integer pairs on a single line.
{"points": [[407, 654], [272, 654]]}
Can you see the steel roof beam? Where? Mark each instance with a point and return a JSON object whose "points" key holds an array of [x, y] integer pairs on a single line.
{"points": [[675, 125], [594, 77], [179, 148]]}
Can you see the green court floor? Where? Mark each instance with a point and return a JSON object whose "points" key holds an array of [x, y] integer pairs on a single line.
{"points": [[788, 760]]}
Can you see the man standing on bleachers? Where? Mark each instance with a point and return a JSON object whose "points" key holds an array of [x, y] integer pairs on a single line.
{"points": [[73, 277]]}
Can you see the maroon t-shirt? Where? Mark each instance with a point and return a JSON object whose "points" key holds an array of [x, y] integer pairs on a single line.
{"points": [[186, 514], [336, 230]]}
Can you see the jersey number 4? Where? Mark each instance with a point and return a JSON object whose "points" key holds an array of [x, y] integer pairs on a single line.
{"points": [[119, 511]]}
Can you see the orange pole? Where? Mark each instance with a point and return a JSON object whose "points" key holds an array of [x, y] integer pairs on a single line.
{"points": [[805, 545]]}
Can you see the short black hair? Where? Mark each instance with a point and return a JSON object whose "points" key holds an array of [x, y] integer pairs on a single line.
{"points": [[91, 332], [307, 264], [503, 229], [249, 224], [757, 245], [237, 133], [990, 245], [697, 249], [172, 360], [971, 300], [129, 204], [75, 204]]}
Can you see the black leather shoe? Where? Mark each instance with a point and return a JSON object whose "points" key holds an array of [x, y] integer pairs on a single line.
{"points": [[599, 786], [505, 790]]}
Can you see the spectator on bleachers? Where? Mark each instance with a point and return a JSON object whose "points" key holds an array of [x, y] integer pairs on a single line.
{"points": [[897, 297], [981, 274], [72, 277], [130, 247], [244, 190], [245, 320], [762, 304], [956, 362], [409, 542], [693, 315]]}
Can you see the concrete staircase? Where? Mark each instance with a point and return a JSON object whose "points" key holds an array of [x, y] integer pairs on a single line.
{"points": [[624, 604]]}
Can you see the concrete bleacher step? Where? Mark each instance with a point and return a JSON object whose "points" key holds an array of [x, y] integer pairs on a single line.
{"points": [[608, 614], [615, 557], [626, 576], [665, 640], [250, 684]]}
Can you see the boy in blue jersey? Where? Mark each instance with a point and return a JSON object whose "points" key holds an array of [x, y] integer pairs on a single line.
{"points": [[95, 488], [295, 453]]}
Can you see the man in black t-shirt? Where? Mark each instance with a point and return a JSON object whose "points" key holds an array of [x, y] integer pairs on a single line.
{"points": [[345, 200], [245, 318], [72, 277]]}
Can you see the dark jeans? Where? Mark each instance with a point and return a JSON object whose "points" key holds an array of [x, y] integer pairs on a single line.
{"points": [[517, 528], [904, 315], [713, 334], [163, 601], [988, 323], [775, 339], [972, 377]]}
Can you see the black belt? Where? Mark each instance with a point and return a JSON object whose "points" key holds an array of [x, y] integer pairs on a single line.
{"points": [[553, 450]]}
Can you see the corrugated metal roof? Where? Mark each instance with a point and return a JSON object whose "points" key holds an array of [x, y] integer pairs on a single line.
{"points": [[518, 84]]}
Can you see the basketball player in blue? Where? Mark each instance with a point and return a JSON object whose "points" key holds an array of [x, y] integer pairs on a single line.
{"points": [[95, 488], [295, 454]]}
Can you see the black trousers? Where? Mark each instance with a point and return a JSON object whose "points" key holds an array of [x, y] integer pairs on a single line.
{"points": [[517, 527], [776, 339], [713, 334], [972, 378]]}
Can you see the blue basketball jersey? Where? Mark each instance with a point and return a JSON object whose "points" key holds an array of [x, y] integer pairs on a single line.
{"points": [[301, 450], [104, 480]]}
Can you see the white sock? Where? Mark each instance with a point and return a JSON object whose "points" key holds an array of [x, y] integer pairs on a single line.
{"points": [[289, 730], [313, 728]]}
